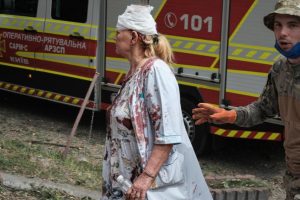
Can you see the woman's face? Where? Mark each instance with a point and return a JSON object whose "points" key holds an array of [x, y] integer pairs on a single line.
{"points": [[123, 42]]}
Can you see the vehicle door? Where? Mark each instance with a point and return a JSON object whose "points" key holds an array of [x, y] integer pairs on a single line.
{"points": [[69, 50], [21, 28]]}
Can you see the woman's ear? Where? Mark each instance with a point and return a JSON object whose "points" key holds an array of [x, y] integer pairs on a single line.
{"points": [[134, 37]]}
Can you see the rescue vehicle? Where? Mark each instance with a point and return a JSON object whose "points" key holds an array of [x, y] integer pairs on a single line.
{"points": [[51, 49]]}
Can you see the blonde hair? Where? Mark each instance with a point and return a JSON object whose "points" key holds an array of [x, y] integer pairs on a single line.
{"points": [[158, 45]]}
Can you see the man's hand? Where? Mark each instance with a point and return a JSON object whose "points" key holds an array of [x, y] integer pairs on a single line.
{"points": [[208, 113]]}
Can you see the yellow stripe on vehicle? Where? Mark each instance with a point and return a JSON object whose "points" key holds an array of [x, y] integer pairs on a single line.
{"points": [[31, 91], [232, 133], [40, 93], [75, 101], [15, 87], [243, 20], [220, 131], [214, 64], [160, 8], [259, 135], [245, 134], [57, 97], [23, 90], [199, 85], [66, 99], [273, 136], [21, 17], [118, 78], [7, 86]]}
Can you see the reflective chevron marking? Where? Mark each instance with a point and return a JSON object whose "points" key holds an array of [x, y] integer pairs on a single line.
{"points": [[255, 135], [44, 94]]}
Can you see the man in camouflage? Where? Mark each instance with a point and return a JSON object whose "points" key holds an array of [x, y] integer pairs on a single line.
{"points": [[281, 94]]}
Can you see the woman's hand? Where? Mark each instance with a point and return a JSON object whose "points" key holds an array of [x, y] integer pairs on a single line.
{"points": [[139, 188], [158, 157]]}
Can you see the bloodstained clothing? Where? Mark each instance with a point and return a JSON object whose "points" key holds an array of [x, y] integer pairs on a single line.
{"points": [[145, 112]]}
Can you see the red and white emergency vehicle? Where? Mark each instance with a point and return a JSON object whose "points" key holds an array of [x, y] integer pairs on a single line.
{"points": [[51, 49]]}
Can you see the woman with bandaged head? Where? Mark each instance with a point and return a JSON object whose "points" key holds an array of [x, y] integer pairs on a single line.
{"points": [[146, 139]]}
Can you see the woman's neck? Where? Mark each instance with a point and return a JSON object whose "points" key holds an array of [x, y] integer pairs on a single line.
{"points": [[135, 63]]}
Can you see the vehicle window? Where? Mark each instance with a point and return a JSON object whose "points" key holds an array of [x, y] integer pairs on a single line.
{"points": [[70, 10], [19, 7]]}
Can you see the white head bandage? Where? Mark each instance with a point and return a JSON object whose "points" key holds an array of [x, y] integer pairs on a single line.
{"points": [[137, 18]]}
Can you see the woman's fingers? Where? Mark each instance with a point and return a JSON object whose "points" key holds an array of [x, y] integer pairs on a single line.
{"points": [[135, 194]]}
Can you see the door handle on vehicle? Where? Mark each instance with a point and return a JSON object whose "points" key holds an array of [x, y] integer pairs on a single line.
{"points": [[30, 29], [76, 35]]}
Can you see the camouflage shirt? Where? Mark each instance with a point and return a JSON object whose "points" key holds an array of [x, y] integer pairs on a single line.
{"points": [[281, 96]]}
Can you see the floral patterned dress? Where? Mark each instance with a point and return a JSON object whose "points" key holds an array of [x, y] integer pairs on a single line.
{"points": [[147, 111]]}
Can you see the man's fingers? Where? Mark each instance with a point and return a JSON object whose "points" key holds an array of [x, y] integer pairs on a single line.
{"points": [[207, 106], [195, 110], [203, 111], [207, 113], [199, 116], [203, 105], [201, 121]]}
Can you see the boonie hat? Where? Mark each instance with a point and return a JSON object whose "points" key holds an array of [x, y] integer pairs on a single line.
{"points": [[288, 7]]}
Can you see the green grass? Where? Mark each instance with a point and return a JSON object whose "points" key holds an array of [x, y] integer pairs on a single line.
{"points": [[46, 162]]}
